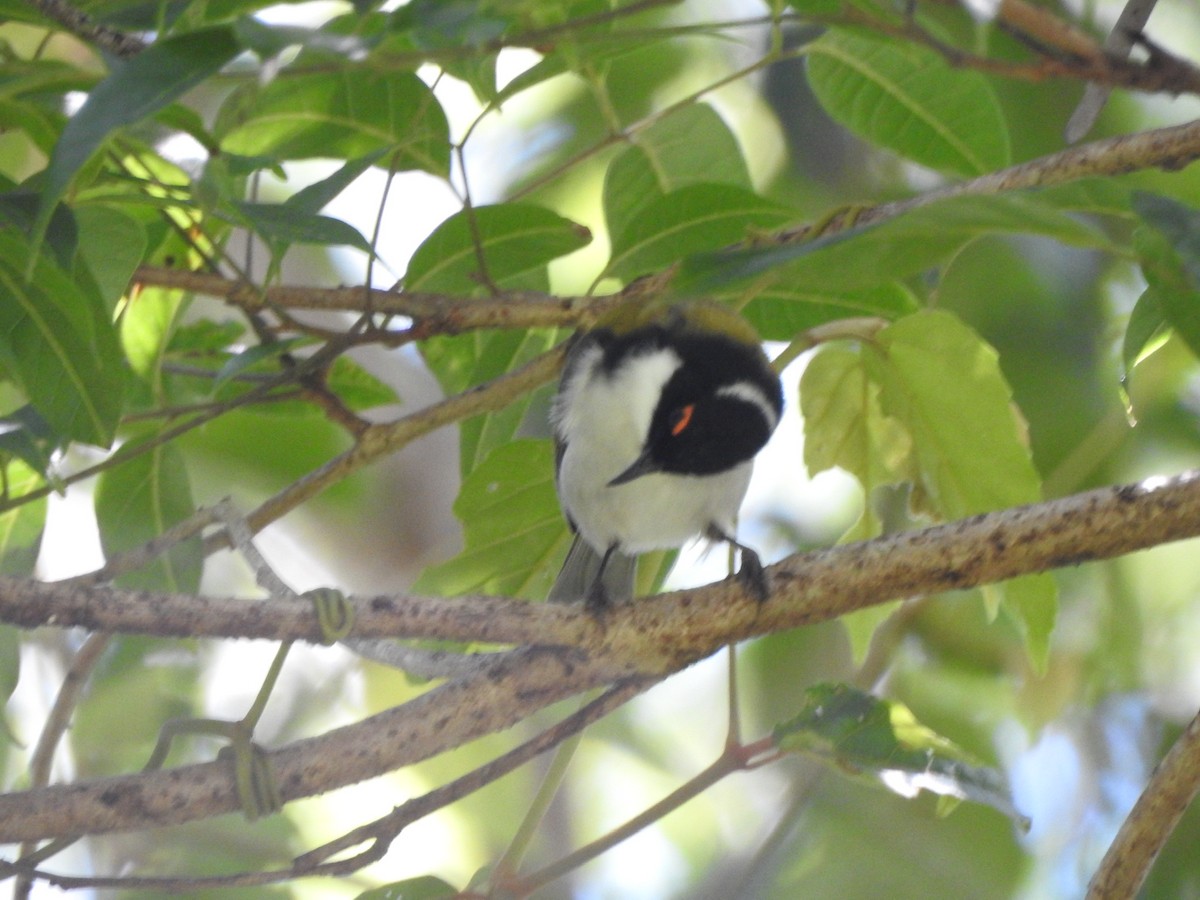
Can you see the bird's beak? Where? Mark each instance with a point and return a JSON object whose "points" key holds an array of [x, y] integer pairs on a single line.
{"points": [[643, 465]]}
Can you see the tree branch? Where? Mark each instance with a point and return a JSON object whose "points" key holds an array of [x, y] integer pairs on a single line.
{"points": [[654, 634], [1145, 830], [379, 834], [1168, 148], [380, 440], [653, 637], [438, 313], [86, 28], [513, 688]]}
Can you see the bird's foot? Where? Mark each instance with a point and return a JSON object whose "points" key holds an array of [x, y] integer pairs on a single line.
{"points": [[597, 603], [753, 576]]}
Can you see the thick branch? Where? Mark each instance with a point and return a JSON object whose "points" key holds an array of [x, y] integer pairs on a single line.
{"points": [[652, 637], [515, 686], [656, 633]]}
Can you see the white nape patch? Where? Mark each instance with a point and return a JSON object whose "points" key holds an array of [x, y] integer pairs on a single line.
{"points": [[638, 383], [751, 393]]}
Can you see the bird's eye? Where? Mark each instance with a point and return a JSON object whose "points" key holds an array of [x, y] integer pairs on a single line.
{"points": [[681, 417]]}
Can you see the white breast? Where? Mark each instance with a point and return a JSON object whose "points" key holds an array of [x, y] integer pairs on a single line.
{"points": [[604, 421]]}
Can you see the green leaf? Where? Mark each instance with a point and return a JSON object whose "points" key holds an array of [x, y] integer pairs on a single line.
{"points": [[26, 436], [543, 70], [57, 342], [515, 536], [1178, 223], [312, 198], [10, 673], [184, 119], [438, 24], [424, 887], [111, 246], [784, 309], [356, 387], [871, 255], [1146, 331], [460, 25], [466, 360], [1094, 196], [944, 384], [514, 533], [690, 220], [943, 420], [346, 114], [39, 125], [205, 336], [40, 78], [907, 98], [268, 41], [690, 146], [137, 501], [883, 740], [18, 208], [22, 526], [844, 426], [808, 8], [280, 225], [135, 89], [254, 356], [1172, 294], [148, 328], [515, 240], [1169, 253], [1031, 604]]}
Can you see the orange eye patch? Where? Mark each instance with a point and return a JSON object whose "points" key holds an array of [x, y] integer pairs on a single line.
{"points": [[682, 418]]}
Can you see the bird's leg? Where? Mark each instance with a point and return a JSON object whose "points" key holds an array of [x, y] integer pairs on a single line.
{"points": [[597, 601], [750, 573]]}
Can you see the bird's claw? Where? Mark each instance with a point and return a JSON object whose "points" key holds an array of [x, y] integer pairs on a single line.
{"points": [[753, 576], [597, 602]]}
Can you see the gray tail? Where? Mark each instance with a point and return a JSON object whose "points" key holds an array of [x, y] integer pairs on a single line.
{"points": [[574, 582]]}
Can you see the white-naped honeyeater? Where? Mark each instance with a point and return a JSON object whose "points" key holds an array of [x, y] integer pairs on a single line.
{"points": [[660, 412]]}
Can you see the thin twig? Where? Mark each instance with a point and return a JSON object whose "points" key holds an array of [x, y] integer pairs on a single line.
{"points": [[732, 759], [1145, 830], [1120, 42], [127, 451], [1167, 148], [55, 727], [446, 313], [381, 832], [85, 27], [377, 441]]}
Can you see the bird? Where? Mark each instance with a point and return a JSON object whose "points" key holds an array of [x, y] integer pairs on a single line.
{"points": [[660, 411]]}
